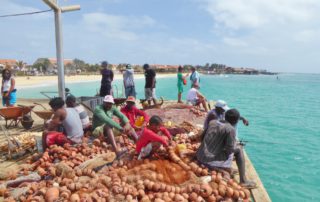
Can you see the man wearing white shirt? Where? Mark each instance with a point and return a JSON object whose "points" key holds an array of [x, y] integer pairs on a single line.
{"points": [[194, 97]]}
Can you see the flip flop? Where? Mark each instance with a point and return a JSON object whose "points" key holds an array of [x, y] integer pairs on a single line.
{"points": [[249, 185]]}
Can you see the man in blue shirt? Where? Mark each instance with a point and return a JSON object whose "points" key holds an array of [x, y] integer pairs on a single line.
{"points": [[194, 77]]}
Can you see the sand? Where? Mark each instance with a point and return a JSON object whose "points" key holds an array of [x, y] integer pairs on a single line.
{"points": [[33, 81]]}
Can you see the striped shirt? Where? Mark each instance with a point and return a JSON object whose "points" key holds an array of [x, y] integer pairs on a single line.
{"points": [[83, 116]]}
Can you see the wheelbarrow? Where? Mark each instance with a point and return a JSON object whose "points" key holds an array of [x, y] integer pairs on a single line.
{"points": [[14, 114], [44, 114]]}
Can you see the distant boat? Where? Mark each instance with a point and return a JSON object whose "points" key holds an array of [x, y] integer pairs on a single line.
{"points": [[224, 75]]}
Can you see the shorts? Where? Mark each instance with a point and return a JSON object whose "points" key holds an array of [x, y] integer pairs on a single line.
{"points": [[130, 91], [150, 93], [56, 138], [194, 102], [180, 89], [220, 164], [12, 99], [98, 131]]}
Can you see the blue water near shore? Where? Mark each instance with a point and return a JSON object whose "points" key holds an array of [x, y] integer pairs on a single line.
{"points": [[284, 132]]}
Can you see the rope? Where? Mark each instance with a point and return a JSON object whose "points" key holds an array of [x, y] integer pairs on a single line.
{"points": [[19, 14]]}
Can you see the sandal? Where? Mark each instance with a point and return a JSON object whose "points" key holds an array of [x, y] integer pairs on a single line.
{"points": [[249, 185]]}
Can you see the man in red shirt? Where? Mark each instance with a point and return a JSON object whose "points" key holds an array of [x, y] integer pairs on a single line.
{"points": [[152, 137], [132, 112]]}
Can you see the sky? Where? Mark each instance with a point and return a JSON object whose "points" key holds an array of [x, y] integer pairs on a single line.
{"points": [[276, 35]]}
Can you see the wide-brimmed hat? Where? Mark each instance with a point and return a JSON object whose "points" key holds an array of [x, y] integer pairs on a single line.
{"points": [[131, 99], [108, 99], [222, 104]]}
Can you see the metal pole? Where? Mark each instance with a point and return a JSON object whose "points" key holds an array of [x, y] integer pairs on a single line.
{"points": [[59, 48]]}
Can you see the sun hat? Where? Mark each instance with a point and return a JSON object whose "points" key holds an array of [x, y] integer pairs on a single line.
{"points": [[222, 104], [128, 66], [109, 99], [131, 99]]}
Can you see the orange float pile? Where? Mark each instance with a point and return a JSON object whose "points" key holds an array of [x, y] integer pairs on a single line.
{"points": [[167, 178]]}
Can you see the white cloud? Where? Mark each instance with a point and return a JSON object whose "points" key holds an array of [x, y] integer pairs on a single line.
{"points": [[278, 34], [237, 14], [119, 27], [306, 36], [234, 42]]}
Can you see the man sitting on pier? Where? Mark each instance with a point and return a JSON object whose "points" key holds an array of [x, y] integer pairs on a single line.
{"points": [[218, 146], [152, 137], [103, 124], [219, 112], [133, 113], [71, 103], [195, 98], [69, 119]]}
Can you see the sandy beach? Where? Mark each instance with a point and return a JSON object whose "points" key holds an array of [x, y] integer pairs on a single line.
{"points": [[33, 81]]}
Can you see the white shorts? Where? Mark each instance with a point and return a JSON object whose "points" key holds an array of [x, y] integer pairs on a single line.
{"points": [[150, 93], [193, 102]]}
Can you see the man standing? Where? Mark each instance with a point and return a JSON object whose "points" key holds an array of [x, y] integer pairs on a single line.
{"points": [[181, 82], [128, 82], [150, 86], [104, 125], [70, 120], [218, 147], [106, 81], [194, 77]]}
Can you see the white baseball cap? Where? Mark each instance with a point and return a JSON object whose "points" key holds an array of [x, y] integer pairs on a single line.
{"points": [[222, 104], [109, 99]]}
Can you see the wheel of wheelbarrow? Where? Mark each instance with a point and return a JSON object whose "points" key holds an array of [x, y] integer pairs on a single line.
{"points": [[27, 122]]}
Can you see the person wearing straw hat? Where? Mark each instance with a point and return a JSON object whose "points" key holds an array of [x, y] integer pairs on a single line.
{"points": [[104, 125], [128, 81], [133, 113]]}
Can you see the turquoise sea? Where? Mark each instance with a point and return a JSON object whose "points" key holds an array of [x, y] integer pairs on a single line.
{"points": [[284, 132]]}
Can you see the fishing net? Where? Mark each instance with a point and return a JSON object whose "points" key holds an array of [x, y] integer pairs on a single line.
{"points": [[176, 116], [98, 160]]}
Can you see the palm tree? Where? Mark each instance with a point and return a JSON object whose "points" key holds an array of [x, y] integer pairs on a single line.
{"points": [[20, 64]]}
